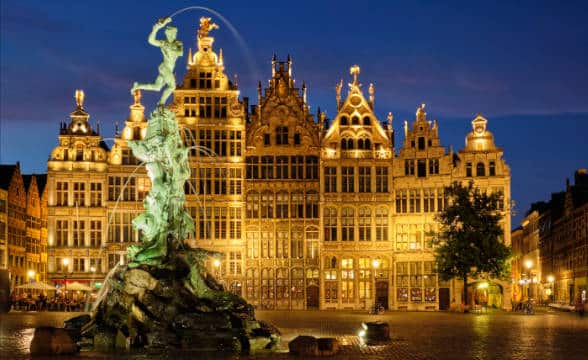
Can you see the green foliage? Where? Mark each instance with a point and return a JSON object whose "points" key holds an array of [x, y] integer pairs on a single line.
{"points": [[469, 243]]}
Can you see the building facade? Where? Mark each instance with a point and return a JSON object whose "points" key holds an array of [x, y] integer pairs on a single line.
{"points": [[309, 213]]}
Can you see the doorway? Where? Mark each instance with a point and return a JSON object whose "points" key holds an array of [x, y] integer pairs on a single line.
{"points": [[312, 297], [382, 293], [443, 298]]}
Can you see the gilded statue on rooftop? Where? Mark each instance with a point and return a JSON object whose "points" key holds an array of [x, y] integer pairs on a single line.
{"points": [[205, 26]]}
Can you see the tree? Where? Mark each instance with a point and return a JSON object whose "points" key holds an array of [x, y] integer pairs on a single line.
{"points": [[469, 243]]}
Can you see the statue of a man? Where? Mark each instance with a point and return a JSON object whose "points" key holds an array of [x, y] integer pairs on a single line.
{"points": [[171, 49]]}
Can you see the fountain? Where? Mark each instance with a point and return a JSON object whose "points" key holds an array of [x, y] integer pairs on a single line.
{"points": [[165, 298]]}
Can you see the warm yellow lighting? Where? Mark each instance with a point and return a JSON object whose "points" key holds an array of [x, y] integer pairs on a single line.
{"points": [[216, 263], [376, 263], [65, 261], [92, 269], [547, 292], [330, 152], [528, 264], [80, 98], [550, 278], [483, 285], [31, 274]]}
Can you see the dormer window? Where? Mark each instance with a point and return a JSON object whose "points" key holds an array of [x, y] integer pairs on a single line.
{"points": [[421, 143], [367, 120], [296, 139], [355, 120], [469, 169], [492, 169], [480, 169], [344, 120], [266, 139]]}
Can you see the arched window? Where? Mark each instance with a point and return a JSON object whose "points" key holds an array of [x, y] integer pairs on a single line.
{"points": [[367, 145], [330, 224], [349, 144], [252, 205], [366, 120], [347, 223], [365, 224], [344, 120], [360, 144], [343, 144], [355, 120], [480, 170]]}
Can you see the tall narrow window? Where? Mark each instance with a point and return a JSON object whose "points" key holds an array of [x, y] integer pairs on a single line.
{"points": [[421, 168], [480, 169], [492, 169], [297, 205], [347, 179], [282, 205], [312, 167], [95, 194], [312, 242], [381, 179], [409, 167], [347, 281], [365, 224], [79, 194], [347, 224], [267, 205], [235, 223], [330, 179], [365, 178], [469, 169], [282, 135], [330, 224], [312, 205], [381, 224], [252, 205], [297, 241], [401, 201], [252, 244], [252, 171], [62, 193], [281, 167], [267, 167], [297, 167], [205, 223]]}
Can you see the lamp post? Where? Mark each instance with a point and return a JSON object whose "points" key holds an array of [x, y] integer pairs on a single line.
{"points": [[217, 264], [550, 280], [93, 271], [31, 275], [65, 262], [528, 265]]}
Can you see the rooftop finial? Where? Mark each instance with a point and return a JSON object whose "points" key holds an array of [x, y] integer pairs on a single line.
{"points": [[354, 70], [80, 98], [205, 27]]}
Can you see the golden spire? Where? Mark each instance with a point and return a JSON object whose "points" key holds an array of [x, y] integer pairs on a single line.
{"points": [[354, 70], [80, 98], [220, 57], [137, 97]]}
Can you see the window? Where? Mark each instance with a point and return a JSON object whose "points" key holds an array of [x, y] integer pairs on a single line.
{"points": [[266, 139], [330, 179], [205, 181], [234, 263], [312, 242], [469, 169], [252, 284], [252, 171], [205, 223], [347, 280], [366, 120], [62, 192], [433, 166], [330, 276], [430, 281], [267, 167], [421, 168], [429, 200], [347, 224], [282, 244], [205, 80], [354, 120], [282, 284], [95, 233], [480, 169], [402, 236], [381, 224], [235, 223], [330, 224], [61, 233], [416, 281], [365, 279], [401, 201], [415, 201], [235, 143], [95, 194], [415, 237], [312, 167], [297, 205], [220, 223], [144, 184], [296, 139], [297, 244], [365, 224], [381, 179], [235, 181], [220, 181], [78, 265], [312, 205], [282, 205], [121, 188], [365, 177], [267, 245], [421, 142], [79, 231], [253, 244], [267, 205], [205, 105], [409, 167], [281, 167], [344, 120], [282, 135], [220, 143], [220, 107], [121, 228], [441, 199], [297, 171], [347, 179], [492, 169], [96, 263], [252, 205], [206, 139]]}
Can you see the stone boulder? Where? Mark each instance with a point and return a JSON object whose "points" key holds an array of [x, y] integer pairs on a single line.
{"points": [[328, 346], [52, 341], [304, 345]]}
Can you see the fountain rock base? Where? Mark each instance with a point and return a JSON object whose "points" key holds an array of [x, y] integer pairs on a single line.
{"points": [[176, 305]]}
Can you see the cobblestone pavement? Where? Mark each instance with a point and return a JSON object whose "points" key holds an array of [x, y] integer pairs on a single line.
{"points": [[415, 335]]}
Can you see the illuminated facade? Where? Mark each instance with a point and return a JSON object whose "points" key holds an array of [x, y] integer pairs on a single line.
{"points": [[308, 214]]}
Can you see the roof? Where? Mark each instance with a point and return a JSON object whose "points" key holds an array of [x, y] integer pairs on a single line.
{"points": [[27, 181], [6, 172], [41, 182]]}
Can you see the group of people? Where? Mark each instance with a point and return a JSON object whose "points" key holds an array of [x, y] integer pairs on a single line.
{"points": [[41, 302]]}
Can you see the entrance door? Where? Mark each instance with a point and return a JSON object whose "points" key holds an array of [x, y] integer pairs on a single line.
{"points": [[312, 297], [382, 293], [443, 298]]}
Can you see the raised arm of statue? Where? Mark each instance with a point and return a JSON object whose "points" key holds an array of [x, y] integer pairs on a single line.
{"points": [[158, 25]]}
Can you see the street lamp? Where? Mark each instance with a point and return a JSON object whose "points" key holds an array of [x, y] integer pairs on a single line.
{"points": [[93, 270], [31, 275], [550, 280], [376, 264], [528, 265]]}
